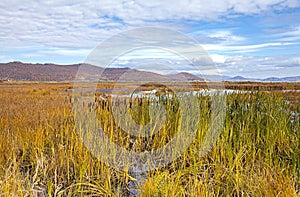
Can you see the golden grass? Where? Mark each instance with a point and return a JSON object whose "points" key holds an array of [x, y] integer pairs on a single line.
{"points": [[257, 153]]}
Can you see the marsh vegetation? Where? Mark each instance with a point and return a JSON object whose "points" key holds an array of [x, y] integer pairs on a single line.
{"points": [[256, 154]]}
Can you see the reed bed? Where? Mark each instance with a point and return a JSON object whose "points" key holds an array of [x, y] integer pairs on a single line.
{"points": [[41, 153]]}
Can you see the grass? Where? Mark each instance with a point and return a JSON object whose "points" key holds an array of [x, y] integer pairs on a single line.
{"points": [[257, 153]]}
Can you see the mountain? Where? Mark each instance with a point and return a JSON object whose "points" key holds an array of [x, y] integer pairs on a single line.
{"points": [[184, 76], [270, 79], [240, 78], [54, 72], [282, 79], [127, 74], [38, 72]]}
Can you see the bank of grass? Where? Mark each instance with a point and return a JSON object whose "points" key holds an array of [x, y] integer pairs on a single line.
{"points": [[257, 153]]}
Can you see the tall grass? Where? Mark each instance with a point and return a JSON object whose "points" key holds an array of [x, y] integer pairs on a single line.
{"points": [[257, 153]]}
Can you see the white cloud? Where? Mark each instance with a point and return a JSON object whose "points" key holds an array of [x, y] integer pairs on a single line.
{"points": [[260, 66], [218, 58], [241, 48], [58, 24], [72, 28], [220, 36], [226, 36], [290, 35], [228, 65], [84, 24], [67, 52]]}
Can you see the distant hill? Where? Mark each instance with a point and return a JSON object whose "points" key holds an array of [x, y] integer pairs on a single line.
{"points": [[37, 72], [238, 78], [290, 79], [54, 72], [184, 76], [270, 79]]}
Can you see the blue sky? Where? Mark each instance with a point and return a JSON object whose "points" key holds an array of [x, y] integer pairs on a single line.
{"points": [[252, 38]]}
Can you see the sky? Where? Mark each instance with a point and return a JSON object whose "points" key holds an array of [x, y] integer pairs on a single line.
{"points": [[251, 38]]}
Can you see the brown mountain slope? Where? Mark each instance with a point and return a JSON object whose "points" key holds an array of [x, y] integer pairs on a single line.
{"points": [[184, 76], [38, 72], [54, 72]]}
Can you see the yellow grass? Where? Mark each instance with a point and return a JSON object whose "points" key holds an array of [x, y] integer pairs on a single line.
{"points": [[257, 153]]}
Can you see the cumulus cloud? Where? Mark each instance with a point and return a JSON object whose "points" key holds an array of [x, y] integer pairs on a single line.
{"points": [[216, 64], [81, 24], [258, 66], [60, 28]]}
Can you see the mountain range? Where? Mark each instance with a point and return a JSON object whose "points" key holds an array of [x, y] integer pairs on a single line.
{"points": [[269, 79], [54, 72]]}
